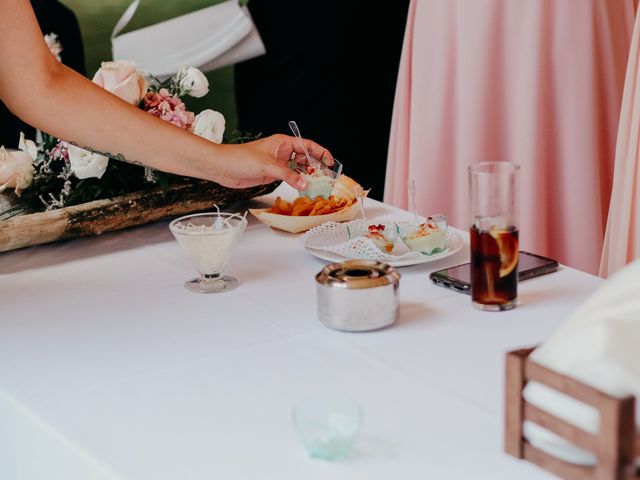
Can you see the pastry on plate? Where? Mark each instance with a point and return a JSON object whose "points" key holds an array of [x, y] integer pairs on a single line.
{"points": [[384, 236]]}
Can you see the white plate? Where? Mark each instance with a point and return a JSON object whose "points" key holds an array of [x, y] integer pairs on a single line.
{"points": [[454, 245]]}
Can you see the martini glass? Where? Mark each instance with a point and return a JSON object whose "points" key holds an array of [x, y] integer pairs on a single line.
{"points": [[208, 239]]}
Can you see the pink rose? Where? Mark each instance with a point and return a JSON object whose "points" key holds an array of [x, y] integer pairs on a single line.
{"points": [[151, 100], [16, 170], [60, 152], [122, 79], [168, 108]]}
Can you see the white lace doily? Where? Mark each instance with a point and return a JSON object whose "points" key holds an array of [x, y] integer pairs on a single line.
{"points": [[334, 238]]}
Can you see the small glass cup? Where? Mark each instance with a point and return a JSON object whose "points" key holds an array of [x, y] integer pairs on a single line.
{"points": [[320, 178], [208, 240], [327, 427], [494, 209], [383, 234], [427, 237]]}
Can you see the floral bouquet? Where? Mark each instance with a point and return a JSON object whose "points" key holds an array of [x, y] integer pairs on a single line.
{"points": [[54, 174]]}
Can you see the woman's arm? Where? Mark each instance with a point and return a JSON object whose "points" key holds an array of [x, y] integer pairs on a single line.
{"points": [[46, 94]]}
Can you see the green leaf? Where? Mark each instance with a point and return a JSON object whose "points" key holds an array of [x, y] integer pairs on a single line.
{"points": [[236, 136]]}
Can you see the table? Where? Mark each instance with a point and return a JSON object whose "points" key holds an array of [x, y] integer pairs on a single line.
{"points": [[109, 368]]}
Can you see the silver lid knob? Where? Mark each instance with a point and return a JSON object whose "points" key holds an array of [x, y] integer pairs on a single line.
{"points": [[357, 274]]}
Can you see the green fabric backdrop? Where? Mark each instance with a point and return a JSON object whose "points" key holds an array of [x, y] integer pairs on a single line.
{"points": [[98, 17]]}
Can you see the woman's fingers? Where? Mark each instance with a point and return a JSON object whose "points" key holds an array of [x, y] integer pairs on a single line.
{"points": [[286, 146], [284, 173], [284, 151], [293, 179], [289, 145], [315, 150]]}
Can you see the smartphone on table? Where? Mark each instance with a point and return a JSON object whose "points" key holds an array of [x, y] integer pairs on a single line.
{"points": [[458, 278]]}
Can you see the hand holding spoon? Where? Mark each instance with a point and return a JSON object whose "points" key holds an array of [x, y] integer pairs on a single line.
{"points": [[296, 132]]}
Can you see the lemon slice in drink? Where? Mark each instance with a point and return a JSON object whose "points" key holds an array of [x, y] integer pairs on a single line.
{"points": [[508, 248]]}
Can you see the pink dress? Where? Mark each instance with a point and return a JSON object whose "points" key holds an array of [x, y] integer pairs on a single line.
{"points": [[535, 82], [622, 239]]}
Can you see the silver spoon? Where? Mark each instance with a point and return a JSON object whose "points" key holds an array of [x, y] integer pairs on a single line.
{"points": [[360, 199], [296, 132], [412, 199]]}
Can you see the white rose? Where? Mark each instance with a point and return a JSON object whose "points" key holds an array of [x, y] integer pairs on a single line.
{"points": [[193, 82], [122, 79], [54, 45], [85, 164], [28, 146], [209, 124], [16, 170]]}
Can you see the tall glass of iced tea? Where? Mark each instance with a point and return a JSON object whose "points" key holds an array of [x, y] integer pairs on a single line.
{"points": [[494, 210]]}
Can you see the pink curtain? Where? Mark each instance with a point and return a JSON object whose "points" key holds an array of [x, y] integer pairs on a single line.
{"points": [[535, 82], [622, 240]]}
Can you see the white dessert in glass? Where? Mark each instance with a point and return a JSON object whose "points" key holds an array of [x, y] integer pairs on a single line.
{"points": [[320, 178], [319, 183], [208, 240], [428, 238]]}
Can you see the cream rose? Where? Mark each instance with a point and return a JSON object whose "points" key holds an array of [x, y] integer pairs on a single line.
{"points": [[16, 170], [193, 82], [209, 124], [122, 79], [28, 146], [85, 164]]}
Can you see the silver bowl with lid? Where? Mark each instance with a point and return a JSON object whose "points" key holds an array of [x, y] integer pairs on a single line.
{"points": [[357, 295]]}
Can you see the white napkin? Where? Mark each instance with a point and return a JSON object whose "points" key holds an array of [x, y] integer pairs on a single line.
{"points": [[598, 345], [210, 38]]}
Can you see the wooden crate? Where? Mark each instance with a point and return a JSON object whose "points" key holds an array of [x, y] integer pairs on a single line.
{"points": [[615, 446], [94, 218]]}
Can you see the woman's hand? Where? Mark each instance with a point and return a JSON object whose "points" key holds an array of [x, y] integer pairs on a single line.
{"points": [[264, 161], [72, 108]]}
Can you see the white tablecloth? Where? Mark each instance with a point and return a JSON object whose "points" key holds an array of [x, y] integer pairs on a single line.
{"points": [[109, 368]]}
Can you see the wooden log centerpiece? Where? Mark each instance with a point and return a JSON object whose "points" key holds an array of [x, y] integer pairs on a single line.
{"points": [[99, 216]]}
